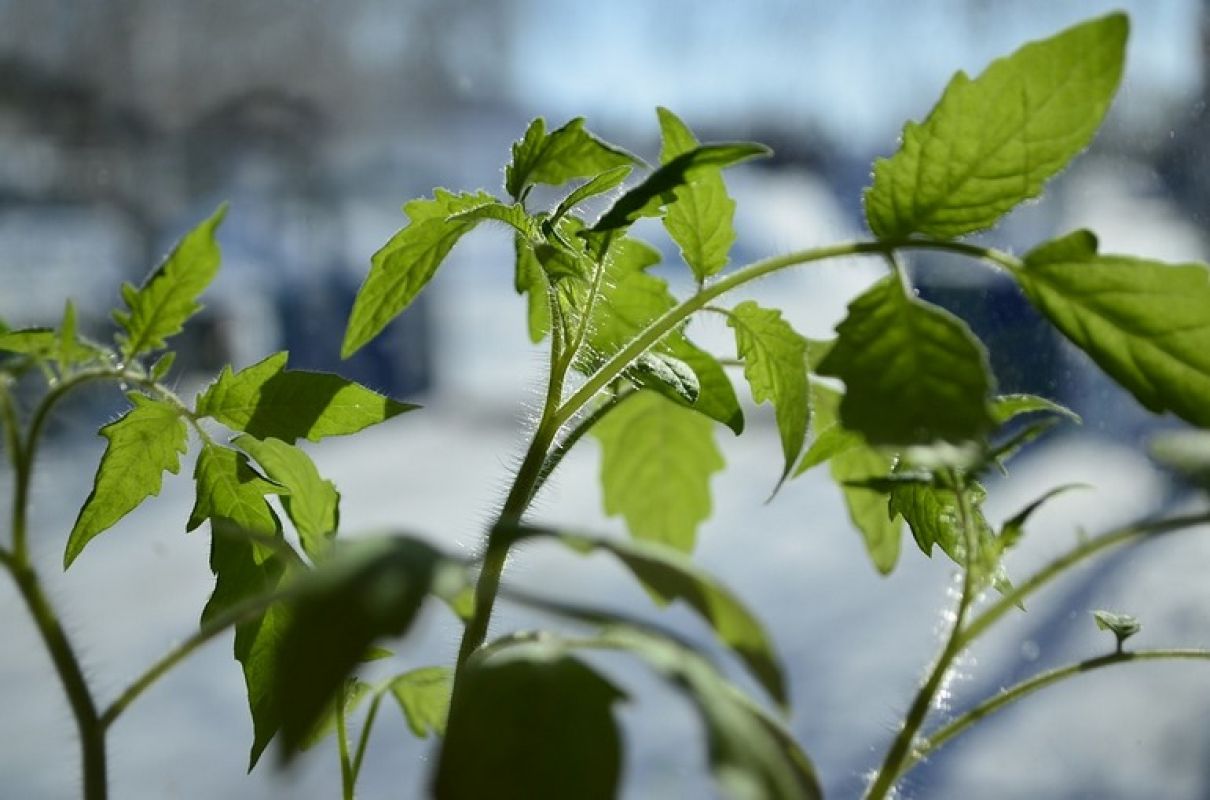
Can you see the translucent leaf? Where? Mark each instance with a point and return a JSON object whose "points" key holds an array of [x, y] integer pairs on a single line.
{"points": [[700, 220], [512, 215], [530, 721], [1145, 323], [775, 364], [144, 443], [993, 142], [934, 517], [1007, 407], [229, 488], [368, 589], [405, 264], [267, 400], [649, 197], [896, 352], [162, 365], [669, 575], [424, 698], [531, 281], [244, 570], [558, 157], [656, 461], [169, 296], [312, 503]]}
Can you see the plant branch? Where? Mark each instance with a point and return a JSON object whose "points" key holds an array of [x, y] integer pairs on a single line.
{"points": [[1031, 685], [363, 741], [564, 445], [347, 784]]}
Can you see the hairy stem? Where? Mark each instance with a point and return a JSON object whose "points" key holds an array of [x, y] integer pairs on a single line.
{"points": [[564, 445], [1040, 681], [901, 748]]}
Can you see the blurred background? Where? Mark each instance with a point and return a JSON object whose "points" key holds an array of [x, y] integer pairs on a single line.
{"points": [[124, 122]]}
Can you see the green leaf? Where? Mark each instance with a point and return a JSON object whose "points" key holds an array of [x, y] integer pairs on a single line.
{"points": [[229, 488], [530, 721], [40, 343], [775, 364], [598, 185], [169, 296], [312, 503], [993, 142], [716, 395], [1010, 406], [512, 215], [700, 220], [424, 698], [934, 516], [406, 263], [850, 462], [670, 376], [895, 352], [669, 575], [266, 399], [560, 156], [1123, 626], [368, 589], [144, 443], [751, 754], [532, 282], [162, 365], [354, 694], [244, 570], [649, 197], [1014, 526], [1145, 323], [656, 461]]}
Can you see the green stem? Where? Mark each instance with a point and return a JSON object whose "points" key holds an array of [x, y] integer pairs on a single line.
{"points": [[1040, 681], [243, 611], [564, 445], [91, 731], [901, 747], [1021, 591], [364, 740], [342, 740], [678, 314]]}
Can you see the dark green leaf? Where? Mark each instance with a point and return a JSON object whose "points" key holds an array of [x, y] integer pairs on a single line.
{"points": [[169, 296], [368, 589], [424, 698], [558, 157], [669, 575], [144, 443], [267, 400], [530, 721], [402, 267], [991, 143], [775, 364], [649, 197], [243, 569], [1014, 527], [700, 219], [312, 503], [897, 352], [1144, 322], [355, 692], [656, 461]]}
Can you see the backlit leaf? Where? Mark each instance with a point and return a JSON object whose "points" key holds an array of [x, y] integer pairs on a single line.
{"points": [[405, 264], [700, 220], [424, 698], [656, 461], [531, 281], [558, 157], [143, 444], [169, 296], [266, 399], [312, 503], [895, 352], [1146, 323], [229, 488], [993, 142]]}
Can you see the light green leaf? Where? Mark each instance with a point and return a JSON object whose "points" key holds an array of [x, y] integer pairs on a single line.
{"points": [[530, 721], [558, 157], [40, 343], [656, 461], [266, 399], [531, 281], [669, 575], [244, 570], [934, 517], [144, 443], [751, 754], [700, 220], [897, 352], [716, 395], [405, 264], [424, 698], [169, 296], [665, 374], [312, 503], [775, 364], [229, 488], [1145, 323], [368, 589], [1007, 407], [649, 197], [162, 365], [991, 143], [851, 461], [598, 185], [512, 215]]}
